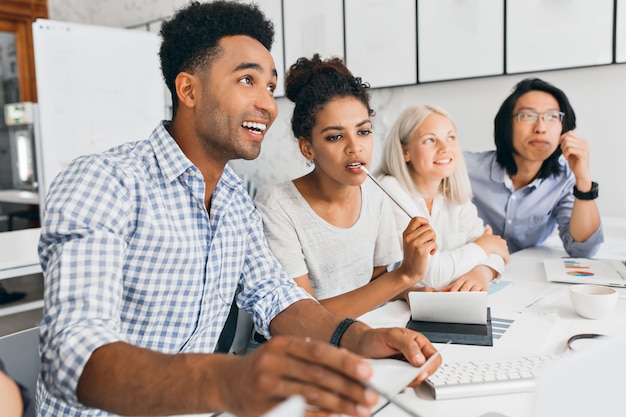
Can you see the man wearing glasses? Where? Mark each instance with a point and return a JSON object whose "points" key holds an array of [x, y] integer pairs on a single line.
{"points": [[538, 177]]}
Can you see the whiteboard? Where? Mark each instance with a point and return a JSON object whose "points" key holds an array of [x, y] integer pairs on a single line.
{"points": [[553, 34], [97, 87], [313, 27], [620, 31], [459, 39], [381, 41]]}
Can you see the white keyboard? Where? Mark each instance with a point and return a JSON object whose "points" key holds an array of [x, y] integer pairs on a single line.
{"points": [[476, 378]]}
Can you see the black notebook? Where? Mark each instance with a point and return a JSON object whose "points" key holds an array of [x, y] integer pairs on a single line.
{"points": [[458, 333]]}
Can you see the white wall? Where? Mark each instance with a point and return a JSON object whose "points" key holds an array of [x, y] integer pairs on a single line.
{"points": [[598, 95]]}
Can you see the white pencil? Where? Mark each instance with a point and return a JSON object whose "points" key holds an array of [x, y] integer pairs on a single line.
{"points": [[373, 178]]}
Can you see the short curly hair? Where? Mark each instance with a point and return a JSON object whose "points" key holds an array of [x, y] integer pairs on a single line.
{"points": [[190, 38], [311, 83]]}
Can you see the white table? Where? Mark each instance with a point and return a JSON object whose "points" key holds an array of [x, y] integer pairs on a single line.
{"points": [[543, 321]]}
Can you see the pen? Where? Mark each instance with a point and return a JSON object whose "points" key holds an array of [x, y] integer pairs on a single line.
{"points": [[373, 178], [391, 398]]}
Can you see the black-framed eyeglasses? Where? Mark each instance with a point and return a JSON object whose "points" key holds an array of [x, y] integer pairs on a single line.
{"points": [[532, 117]]}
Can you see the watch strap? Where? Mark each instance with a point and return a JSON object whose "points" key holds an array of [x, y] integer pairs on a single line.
{"points": [[335, 340], [589, 195]]}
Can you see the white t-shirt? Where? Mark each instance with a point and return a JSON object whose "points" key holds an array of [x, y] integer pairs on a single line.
{"points": [[337, 260], [456, 226]]}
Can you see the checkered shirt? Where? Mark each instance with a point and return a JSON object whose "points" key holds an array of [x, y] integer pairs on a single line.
{"points": [[130, 253]]}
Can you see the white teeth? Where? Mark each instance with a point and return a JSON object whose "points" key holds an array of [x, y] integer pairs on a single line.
{"points": [[355, 165], [443, 161], [254, 125]]}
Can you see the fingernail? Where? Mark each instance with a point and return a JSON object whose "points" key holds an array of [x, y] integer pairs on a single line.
{"points": [[419, 358], [371, 396], [363, 411], [363, 370]]}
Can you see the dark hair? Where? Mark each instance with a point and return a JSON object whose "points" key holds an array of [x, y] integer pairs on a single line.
{"points": [[503, 126], [191, 37], [313, 83]]}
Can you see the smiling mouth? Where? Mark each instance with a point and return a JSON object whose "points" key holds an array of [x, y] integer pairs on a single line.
{"points": [[255, 127]]}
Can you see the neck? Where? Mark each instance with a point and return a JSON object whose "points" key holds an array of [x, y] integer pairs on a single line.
{"points": [[428, 187], [209, 163], [526, 173], [321, 189]]}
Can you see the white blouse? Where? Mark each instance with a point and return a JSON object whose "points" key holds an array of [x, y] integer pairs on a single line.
{"points": [[456, 226]]}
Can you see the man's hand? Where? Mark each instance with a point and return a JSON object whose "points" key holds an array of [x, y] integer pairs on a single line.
{"points": [[576, 150], [330, 379], [327, 377], [377, 343]]}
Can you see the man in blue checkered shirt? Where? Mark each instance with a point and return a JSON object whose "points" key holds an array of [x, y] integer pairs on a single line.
{"points": [[144, 246]]}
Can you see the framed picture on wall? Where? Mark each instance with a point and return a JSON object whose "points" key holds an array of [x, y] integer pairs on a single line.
{"points": [[554, 34], [313, 27], [381, 45], [459, 39]]}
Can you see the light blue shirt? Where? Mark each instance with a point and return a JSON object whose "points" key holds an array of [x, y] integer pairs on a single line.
{"points": [[526, 217], [130, 253]]}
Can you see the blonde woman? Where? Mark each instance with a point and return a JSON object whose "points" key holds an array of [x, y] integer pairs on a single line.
{"points": [[422, 165]]}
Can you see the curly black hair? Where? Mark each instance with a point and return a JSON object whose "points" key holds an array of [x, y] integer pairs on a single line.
{"points": [[190, 39], [313, 83], [503, 126]]}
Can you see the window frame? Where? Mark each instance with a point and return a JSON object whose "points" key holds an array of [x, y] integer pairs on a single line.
{"points": [[16, 16]]}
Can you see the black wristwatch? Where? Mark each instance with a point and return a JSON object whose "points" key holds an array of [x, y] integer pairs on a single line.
{"points": [[589, 195]]}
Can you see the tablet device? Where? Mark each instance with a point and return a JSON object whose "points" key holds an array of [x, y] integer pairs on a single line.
{"points": [[449, 307]]}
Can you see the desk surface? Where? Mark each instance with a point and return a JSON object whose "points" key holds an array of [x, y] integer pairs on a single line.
{"points": [[542, 321], [19, 197]]}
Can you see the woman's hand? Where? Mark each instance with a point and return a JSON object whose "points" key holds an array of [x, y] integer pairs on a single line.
{"points": [[419, 241], [493, 244], [477, 279]]}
